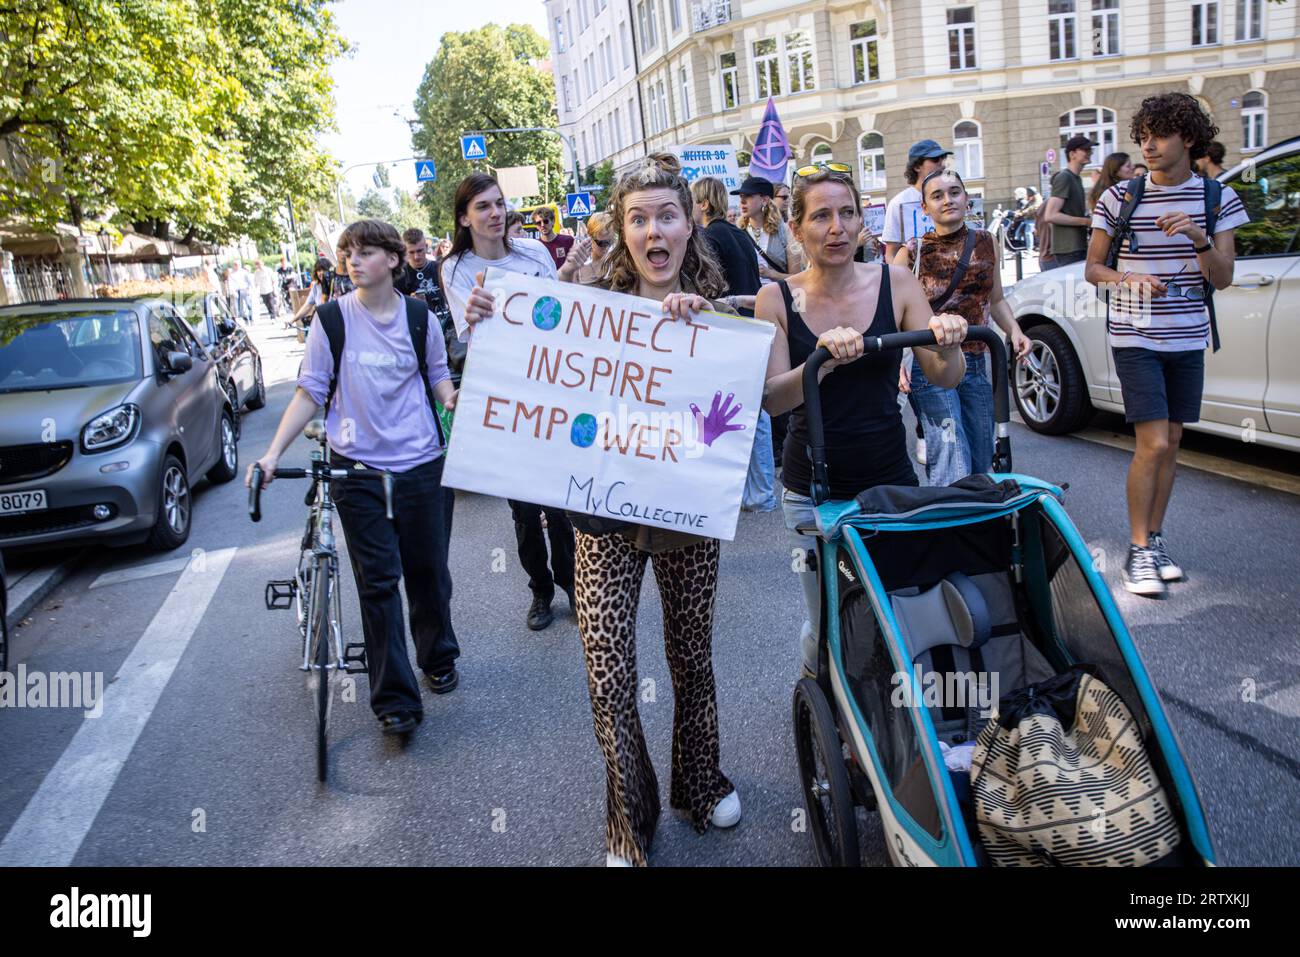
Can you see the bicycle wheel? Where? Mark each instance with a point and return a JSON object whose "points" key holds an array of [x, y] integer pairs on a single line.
{"points": [[320, 645]]}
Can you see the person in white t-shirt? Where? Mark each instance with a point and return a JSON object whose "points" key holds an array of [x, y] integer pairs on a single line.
{"points": [[1158, 322], [480, 241], [923, 159], [239, 286]]}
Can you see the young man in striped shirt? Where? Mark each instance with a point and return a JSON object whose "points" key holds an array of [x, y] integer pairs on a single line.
{"points": [[1158, 324]]}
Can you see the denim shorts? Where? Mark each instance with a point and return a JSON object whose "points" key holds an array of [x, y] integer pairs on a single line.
{"points": [[1160, 385]]}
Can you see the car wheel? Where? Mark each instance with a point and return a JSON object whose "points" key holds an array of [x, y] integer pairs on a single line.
{"points": [[1049, 385], [227, 466], [172, 527], [257, 398]]}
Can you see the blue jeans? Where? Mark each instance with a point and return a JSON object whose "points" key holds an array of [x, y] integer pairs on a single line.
{"points": [[958, 423], [760, 482]]}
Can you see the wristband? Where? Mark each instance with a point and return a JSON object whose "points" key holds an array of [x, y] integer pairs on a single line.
{"points": [[1202, 249]]}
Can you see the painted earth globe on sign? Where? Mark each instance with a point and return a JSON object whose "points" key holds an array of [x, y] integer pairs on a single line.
{"points": [[583, 432], [546, 313]]}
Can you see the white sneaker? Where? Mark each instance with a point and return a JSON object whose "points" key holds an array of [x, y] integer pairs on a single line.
{"points": [[727, 813], [920, 451], [613, 860]]}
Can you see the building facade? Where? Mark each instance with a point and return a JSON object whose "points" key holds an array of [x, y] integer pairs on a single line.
{"points": [[1000, 82]]}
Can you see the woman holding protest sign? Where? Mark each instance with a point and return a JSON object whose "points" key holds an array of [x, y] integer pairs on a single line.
{"points": [[834, 303], [657, 255], [480, 241]]}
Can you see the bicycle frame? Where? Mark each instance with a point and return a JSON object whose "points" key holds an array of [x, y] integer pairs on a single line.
{"points": [[319, 550]]}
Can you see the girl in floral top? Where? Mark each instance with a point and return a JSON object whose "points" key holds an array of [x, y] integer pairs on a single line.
{"points": [[958, 422]]}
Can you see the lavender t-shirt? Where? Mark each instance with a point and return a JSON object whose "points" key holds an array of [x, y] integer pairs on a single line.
{"points": [[380, 414]]}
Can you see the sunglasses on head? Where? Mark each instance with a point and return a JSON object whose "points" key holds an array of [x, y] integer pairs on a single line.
{"points": [[819, 167]]}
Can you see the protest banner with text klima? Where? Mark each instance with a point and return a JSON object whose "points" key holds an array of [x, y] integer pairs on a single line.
{"points": [[595, 402]]}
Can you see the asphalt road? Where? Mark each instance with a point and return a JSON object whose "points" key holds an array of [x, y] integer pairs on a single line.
{"points": [[204, 754]]}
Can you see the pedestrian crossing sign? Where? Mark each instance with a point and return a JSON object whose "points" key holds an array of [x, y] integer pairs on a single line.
{"points": [[426, 171], [473, 146], [579, 205]]}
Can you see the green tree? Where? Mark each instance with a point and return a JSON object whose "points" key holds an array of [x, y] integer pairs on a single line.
{"points": [[197, 114], [485, 79], [372, 205]]}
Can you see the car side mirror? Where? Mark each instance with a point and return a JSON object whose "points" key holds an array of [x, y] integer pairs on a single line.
{"points": [[179, 362], [226, 327]]}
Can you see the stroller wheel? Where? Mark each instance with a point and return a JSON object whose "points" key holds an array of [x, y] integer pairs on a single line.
{"points": [[824, 779]]}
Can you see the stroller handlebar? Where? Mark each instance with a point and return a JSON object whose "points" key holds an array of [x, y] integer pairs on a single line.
{"points": [[904, 340]]}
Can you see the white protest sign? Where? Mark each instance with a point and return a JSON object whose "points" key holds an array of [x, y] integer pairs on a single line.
{"points": [[594, 402], [716, 161], [873, 217]]}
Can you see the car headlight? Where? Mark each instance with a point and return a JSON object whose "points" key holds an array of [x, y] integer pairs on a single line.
{"points": [[111, 428]]}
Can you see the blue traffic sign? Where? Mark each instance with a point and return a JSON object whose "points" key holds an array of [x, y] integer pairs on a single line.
{"points": [[473, 147], [426, 171], [578, 205]]}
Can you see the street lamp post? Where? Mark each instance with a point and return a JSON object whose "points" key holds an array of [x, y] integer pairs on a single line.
{"points": [[108, 263]]}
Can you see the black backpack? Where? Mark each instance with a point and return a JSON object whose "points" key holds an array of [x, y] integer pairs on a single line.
{"points": [[1128, 206], [330, 315]]}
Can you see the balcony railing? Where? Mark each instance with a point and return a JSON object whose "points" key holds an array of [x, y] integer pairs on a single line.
{"points": [[710, 13]]}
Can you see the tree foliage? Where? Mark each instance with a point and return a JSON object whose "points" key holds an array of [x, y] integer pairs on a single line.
{"points": [[485, 79], [201, 115]]}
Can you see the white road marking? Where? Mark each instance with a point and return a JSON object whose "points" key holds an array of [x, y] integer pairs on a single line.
{"points": [[1285, 702], [136, 572], [56, 820]]}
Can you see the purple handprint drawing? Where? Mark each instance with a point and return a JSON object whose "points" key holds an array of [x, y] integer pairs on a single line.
{"points": [[718, 422]]}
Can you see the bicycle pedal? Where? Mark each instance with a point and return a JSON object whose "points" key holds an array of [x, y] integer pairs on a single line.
{"points": [[280, 594], [355, 654]]}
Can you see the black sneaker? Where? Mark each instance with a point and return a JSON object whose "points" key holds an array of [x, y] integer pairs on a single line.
{"points": [[1141, 574], [539, 613], [399, 722], [1169, 569], [444, 682]]}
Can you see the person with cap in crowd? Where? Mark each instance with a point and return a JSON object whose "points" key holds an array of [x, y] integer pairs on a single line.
{"points": [[923, 158], [760, 217]]}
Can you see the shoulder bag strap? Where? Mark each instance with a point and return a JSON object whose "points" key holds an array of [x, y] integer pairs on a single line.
{"points": [[967, 250]]}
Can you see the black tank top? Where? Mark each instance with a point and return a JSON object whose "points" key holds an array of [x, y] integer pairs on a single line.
{"points": [[866, 444]]}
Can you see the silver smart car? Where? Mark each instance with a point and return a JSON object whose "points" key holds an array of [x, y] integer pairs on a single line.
{"points": [[109, 409]]}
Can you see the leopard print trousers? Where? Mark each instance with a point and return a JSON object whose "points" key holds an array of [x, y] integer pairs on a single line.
{"points": [[608, 584]]}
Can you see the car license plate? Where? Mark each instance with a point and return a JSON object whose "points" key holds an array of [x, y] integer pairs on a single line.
{"points": [[30, 501]]}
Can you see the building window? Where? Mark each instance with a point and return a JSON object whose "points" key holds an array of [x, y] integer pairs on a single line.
{"points": [[730, 80], [567, 88], [864, 45], [600, 140], [665, 117], [675, 13], [559, 34], [871, 162], [1095, 122], [1250, 19], [767, 69], [821, 153], [582, 16], [1254, 121], [616, 129], [577, 90], [648, 21], [1062, 25], [626, 39], [799, 62], [967, 151], [1205, 23], [1105, 27], [961, 38], [589, 65], [686, 94], [609, 57]]}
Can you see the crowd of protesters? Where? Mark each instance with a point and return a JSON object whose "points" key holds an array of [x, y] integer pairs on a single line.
{"points": [[797, 255]]}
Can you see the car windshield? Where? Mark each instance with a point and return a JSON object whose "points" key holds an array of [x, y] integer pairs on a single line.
{"points": [[42, 350]]}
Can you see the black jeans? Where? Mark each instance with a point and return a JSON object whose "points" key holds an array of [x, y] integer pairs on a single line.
{"points": [[411, 548], [543, 577]]}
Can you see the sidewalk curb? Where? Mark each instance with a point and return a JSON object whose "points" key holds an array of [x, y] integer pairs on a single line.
{"points": [[49, 579]]}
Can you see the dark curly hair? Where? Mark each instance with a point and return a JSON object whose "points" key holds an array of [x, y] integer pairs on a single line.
{"points": [[1175, 114]]}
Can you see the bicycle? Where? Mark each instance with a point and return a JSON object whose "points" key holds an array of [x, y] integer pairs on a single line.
{"points": [[314, 592]]}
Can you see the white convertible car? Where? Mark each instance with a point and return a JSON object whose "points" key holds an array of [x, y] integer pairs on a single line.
{"points": [[1252, 384]]}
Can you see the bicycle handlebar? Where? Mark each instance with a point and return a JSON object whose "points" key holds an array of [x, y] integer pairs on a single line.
{"points": [[321, 473], [820, 486]]}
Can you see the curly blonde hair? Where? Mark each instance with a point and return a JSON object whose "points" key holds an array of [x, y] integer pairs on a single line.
{"points": [[700, 270], [771, 222]]}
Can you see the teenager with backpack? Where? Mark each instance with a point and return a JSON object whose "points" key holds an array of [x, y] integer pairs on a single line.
{"points": [[378, 395], [959, 269], [1161, 244]]}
